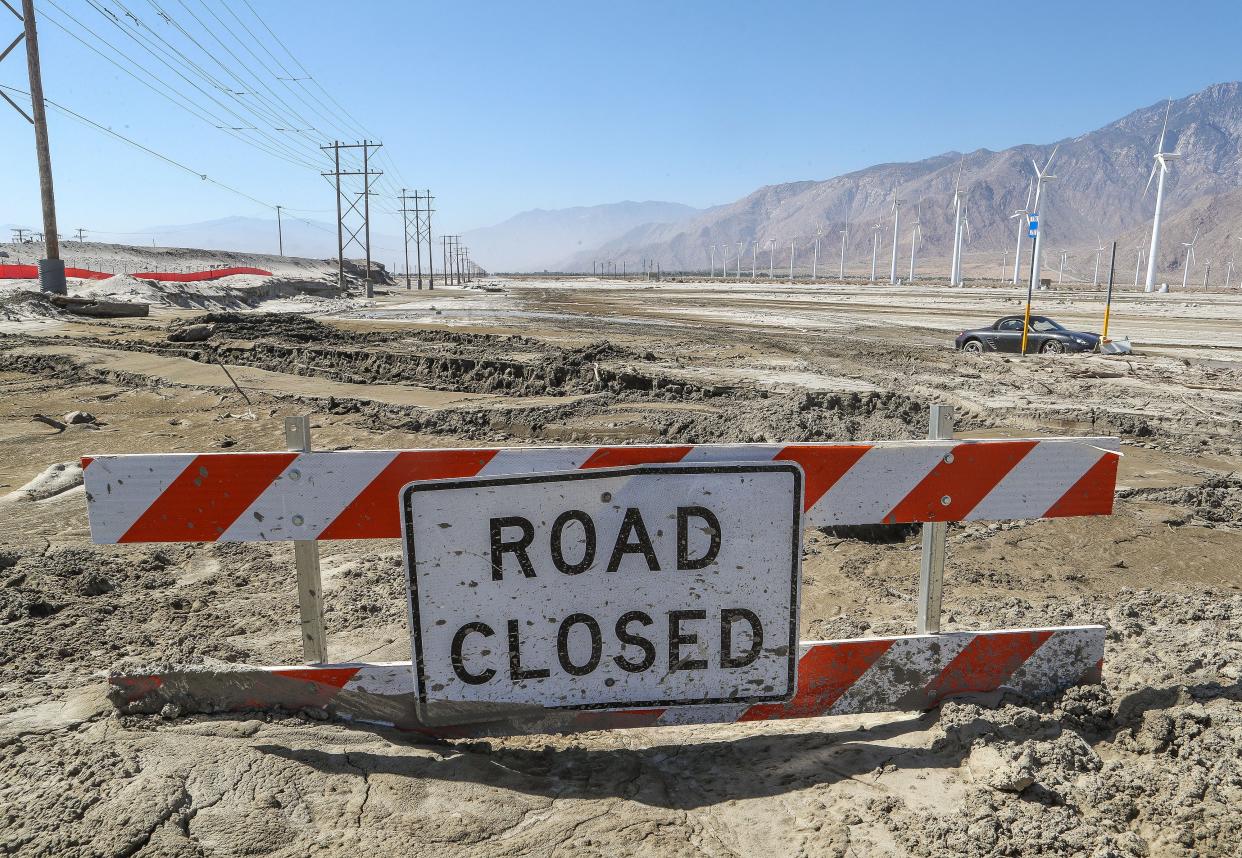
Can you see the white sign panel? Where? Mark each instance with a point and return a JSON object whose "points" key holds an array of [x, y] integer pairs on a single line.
{"points": [[645, 586]]}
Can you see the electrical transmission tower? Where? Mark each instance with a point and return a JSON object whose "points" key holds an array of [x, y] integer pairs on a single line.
{"points": [[422, 229], [405, 228], [354, 218]]}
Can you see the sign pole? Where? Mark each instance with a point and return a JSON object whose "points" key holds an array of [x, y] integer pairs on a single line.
{"points": [[306, 558], [935, 537], [1108, 301], [1030, 286]]}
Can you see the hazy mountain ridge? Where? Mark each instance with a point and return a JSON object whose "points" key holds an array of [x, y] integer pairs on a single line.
{"points": [[546, 239], [1099, 189]]}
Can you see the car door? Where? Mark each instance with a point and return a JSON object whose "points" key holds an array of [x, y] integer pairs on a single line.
{"points": [[1009, 336]]}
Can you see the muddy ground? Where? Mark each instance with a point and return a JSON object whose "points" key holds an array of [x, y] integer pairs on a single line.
{"points": [[1147, 764]]}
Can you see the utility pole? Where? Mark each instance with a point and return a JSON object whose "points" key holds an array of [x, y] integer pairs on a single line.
{"points": [[19, 235], [51, 267], [364, 197], [422, 224], [81, 235], [280, 232], [405, 231]]}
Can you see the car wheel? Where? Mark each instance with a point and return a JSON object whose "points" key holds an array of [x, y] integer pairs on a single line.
{"points": [[973, 346], [1053, 347]]}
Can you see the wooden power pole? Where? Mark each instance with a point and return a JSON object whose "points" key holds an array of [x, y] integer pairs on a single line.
{"points": [[51, 268]]}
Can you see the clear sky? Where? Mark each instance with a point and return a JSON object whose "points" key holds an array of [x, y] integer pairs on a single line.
{"points": [[501, 107]]}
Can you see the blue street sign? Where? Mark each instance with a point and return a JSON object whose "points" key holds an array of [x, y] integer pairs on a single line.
{"points": [[1033, 225]]}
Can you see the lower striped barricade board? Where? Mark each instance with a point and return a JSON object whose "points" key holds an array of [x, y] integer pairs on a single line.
{"points": [[847, 677]]}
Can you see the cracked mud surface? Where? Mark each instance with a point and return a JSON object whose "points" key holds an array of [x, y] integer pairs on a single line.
{"points": [[1147, 764]]}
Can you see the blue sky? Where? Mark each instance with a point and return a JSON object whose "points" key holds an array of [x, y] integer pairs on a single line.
{"points": [[503, 107]]}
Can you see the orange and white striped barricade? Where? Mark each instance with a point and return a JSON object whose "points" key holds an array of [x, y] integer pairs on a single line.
{"points": [[307, 496]]}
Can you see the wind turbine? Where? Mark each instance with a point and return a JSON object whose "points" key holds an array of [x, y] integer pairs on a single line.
{"points": [[771, 257], [1207, 269], [892, 275], [1021, 216], [841, 274], [819, 231], [754, 254], [1061, 272], [713, 272], [1138, 263], [1095, 278], [875, 247], [916, 235], [740, 245], [1162, 165], [1229, 273], [1041, 176], [792, 244], [955, 263], [1190, 257]]}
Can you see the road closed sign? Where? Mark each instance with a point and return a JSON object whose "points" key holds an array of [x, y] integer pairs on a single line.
{"points": [[644, 586]]}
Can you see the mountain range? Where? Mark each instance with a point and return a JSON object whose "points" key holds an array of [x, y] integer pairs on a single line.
{"points": [[1098, 196], [552, 239]]}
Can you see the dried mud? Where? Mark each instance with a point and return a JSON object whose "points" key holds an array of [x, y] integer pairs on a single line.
{"points": [[1146, 764]]}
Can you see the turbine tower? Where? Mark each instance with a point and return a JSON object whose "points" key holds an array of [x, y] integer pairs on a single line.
{"points": [[892, 275], [1021, 215], [955, 263], [841, 274], [1190, 257], [1162, 165], [1041, 176], [740, 245], [1061, 270], [771, 257], [713, 271], [875, 247], [1138, 263], [1099, 248], [792, 244], [916, 235], [819, 233]]}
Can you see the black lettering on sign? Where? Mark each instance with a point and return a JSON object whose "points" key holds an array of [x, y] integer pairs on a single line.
{"points": [[517, 548], [628, 637], [676, 639], [516, 673], [562, 644], [588, 542], [632, 525], [684, 514], [727, 617], [459, 667]]}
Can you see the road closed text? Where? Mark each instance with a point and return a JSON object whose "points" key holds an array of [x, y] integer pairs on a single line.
{"points": [[649, 585]]}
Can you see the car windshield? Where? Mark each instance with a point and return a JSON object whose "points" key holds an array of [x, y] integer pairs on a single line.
{"points": [[1045, 325]]}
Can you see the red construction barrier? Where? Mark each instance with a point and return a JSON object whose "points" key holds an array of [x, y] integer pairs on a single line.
{"points": [[31, 272]]}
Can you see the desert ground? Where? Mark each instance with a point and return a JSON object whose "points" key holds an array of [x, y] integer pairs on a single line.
{"points": [[1149, 763]]}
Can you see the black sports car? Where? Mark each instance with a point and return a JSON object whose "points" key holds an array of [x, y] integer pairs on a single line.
{"points": [[1045, 336]]}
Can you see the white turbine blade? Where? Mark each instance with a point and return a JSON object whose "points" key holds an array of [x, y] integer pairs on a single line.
{"points": [[1048, 163], [1152, 177], [1030, 186], [1036, 166], [1165, 126]]}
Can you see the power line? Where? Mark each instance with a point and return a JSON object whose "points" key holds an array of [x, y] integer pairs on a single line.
{"points": [[176, 98], [167, 159]]}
